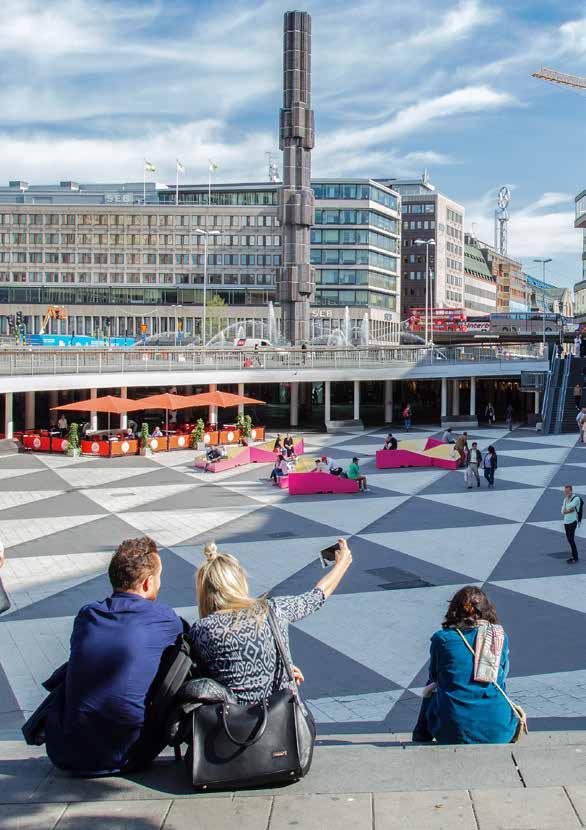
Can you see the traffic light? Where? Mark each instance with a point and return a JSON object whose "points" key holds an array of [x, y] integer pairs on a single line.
{"points": [[107, 322], [19, 318]]}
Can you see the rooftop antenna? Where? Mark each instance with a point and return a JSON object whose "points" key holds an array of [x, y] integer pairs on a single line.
{"points": [[273, 167], [501, 220]]}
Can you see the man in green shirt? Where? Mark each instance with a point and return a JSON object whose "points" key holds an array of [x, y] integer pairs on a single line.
{"points": [[354, 474]]}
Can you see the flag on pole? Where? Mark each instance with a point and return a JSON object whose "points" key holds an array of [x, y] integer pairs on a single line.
{"points": [[180, 167], [149, 167], [213, 166]]}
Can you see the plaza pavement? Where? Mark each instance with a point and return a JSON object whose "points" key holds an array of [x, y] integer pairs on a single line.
{"points": [[416, 538]]}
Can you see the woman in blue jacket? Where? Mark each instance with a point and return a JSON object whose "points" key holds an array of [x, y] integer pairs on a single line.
{"points": [[457, 708]]}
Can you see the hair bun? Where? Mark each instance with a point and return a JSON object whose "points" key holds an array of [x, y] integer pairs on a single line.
{"points": [[210, 550]]}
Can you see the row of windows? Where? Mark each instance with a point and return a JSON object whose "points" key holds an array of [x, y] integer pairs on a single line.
{"points": [[238, 197], [479, 292], [133, 278], [355, 217], [334, 236], [37, 257], [472, 304], [193, 240], [454, 264], [454, 233], [455, 217], [454, 249], [138, 220], [344, 297], [101, 295], [350, 276], [419, 225], [413, 258], [418, 275], [454, 296], [452, 280], [324, 256], [428, 207], [355, 191]]}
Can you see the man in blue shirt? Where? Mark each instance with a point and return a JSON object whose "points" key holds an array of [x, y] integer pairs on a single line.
{"points": [[116, 647], [570, 516]]}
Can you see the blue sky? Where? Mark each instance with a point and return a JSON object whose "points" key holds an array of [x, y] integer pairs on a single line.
{"points": [[91, 86]]}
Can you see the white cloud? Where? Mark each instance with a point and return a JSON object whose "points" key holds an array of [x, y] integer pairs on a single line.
{"points": [[429, 157], [456, 24]]}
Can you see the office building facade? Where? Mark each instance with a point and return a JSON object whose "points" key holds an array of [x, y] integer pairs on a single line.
{"points": [[480, 285], [427, 214], [117, 261]]}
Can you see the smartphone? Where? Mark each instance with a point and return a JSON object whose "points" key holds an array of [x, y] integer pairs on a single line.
{"points": [[328, 555]]}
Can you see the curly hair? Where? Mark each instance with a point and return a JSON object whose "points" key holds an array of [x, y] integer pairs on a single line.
{"points": [[133, 562], [467, 606]]}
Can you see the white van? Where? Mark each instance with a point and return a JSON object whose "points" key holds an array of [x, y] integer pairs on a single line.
{"points": [[251, 343]]}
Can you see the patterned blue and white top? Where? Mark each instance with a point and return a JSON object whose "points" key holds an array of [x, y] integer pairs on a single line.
{"points": [[238, 652]]}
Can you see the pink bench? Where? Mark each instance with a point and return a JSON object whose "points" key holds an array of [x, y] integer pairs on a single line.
{"points": [[394, 459], [301, 484], [237, 460], [264, 456]]}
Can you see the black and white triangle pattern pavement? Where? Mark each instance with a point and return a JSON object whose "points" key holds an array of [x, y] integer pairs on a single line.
{"points": [[416, 538]]}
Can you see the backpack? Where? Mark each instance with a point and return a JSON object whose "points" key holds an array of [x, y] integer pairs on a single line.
{"points": [[580, 509], [407, 412]]}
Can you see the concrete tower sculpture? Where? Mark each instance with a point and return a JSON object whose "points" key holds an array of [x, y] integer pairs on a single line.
{"points": [[295, 280]]}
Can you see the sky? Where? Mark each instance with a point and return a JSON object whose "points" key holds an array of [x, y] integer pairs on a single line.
{"points": [[91, 87]]}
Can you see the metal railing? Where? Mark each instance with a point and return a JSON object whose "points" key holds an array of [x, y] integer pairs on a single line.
{"points": [[38, 361]]}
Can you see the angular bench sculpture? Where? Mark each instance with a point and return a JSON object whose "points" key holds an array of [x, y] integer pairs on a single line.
{"points": [[239, 456], [418, 453], [303, 484]]}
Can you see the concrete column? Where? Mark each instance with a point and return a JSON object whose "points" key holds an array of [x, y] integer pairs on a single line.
{"points": [[294, 405], [473, 396], [8, 416], [29, 410], [536, 404], [327, 401], [444, 397], [93, 415], [356, 400], [124, 416], [213, 410], [53, 402], [456, 396], [388, 401], [241, 405]]}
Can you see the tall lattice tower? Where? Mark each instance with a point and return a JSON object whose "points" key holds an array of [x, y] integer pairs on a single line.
{"points": [[501, 220], [295, 280]]}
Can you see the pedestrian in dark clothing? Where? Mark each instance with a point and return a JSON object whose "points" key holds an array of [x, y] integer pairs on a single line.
{"points": [[570, 515], [490, 465], [578, 396], [98, 720], [509, 417]]}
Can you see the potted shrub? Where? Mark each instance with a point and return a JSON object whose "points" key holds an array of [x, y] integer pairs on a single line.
{"points": [[73, 446], [144, 440], [246, 426], [197, 433]]}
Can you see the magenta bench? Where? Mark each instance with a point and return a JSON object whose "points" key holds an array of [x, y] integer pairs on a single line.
{"points": [[301, 484], [260, 455], [237, 460], [391, 459]]}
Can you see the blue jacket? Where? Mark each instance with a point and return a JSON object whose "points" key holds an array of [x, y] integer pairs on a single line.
{"points": [[462, 711], [116, 648]]}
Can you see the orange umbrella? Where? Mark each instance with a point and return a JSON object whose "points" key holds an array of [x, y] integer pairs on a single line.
{"points": [[166, 401], [221, 399], [107, 403]]}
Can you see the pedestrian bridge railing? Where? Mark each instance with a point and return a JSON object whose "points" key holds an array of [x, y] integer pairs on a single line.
{"points": [[70, 361]]}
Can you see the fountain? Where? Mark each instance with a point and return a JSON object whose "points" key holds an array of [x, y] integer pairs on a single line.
{"points": [[364, 330], [274, 336], [346, 327]]}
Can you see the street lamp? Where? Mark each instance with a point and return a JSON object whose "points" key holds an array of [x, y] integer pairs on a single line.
{"points": [[428, 305], [205, 235], [544, 263]]}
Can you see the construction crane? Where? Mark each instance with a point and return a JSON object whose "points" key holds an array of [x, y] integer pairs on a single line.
{"points": [[555, 77], [54, 312]]}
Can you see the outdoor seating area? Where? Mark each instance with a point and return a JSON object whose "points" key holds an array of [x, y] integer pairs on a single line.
{"points": [[239, 456], [418, 453], [109, 442]]}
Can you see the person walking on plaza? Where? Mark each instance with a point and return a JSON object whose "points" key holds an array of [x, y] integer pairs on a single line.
{"points": [[578, 396], [490, 413], [571, 516], [509, 416], [490, 464], [355, 474], [461, 447], [474, 462], [465, 701], [407, 414], [580, 418]]}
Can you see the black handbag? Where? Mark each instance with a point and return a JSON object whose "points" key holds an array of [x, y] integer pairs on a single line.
{"points": [[4, 601], [248, 745]]}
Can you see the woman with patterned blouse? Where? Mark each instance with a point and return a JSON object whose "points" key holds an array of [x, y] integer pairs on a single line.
{"points": [[232, 641]]}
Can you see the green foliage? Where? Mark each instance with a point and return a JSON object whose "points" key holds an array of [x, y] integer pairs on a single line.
{"points": [[247, 429], [73, 439], [197, 433], [216, 300], [144, 436]]}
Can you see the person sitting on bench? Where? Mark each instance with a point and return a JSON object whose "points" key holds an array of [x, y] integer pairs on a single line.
{"points": [[213, 454], [281, 468], [390, 442]]}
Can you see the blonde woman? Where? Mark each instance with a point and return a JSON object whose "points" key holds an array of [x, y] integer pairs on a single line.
{"points": [[232, 641]]}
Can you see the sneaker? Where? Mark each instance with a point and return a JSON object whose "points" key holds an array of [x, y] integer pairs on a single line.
{"points": [[571, 561]]}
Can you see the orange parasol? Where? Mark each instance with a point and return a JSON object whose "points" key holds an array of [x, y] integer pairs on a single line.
{"points": [[107, 403], [221, 399], [166, 401]]}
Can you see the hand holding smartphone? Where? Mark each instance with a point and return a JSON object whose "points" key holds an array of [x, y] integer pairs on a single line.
{"points": [[328, 555]]}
